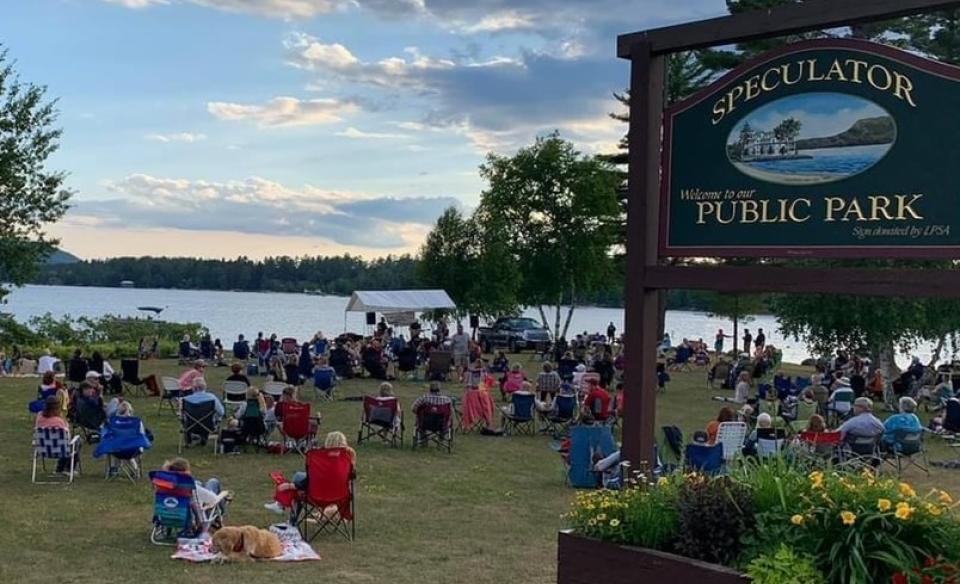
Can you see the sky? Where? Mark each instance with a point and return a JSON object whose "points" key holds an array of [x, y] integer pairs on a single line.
{"points": [[821, 114], [220, 128]]}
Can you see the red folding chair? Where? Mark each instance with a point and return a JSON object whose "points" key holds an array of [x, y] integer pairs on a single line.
{"points": [[296, 427], [824, 444], [328, 502], [381, 419], [434, 424]]}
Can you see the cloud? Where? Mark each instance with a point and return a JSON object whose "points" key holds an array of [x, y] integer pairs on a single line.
{"points": [[187, 137], [285, 111], [501, 21], [356, 134], [137, 3], [259, 206]]}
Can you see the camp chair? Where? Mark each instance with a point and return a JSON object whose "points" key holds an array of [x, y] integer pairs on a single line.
{"points": [[520, 417], [801, 383], [769, 447], [130, 370], [381, 418], [123, 444], [797, 413], [198, 419], [731, 435], [585, 381], [841, 404], [325, 383], [669, 449], [295, 428], [557, 421], [951, 418], [328, 504], [908, 446], [438, 366], [407, 360], [185, 353], [274, 389], [175, 508], [234, 393], [860, 451], [588, 445], [781, 383], [704, 458], [89, 420], [434, 424], [171, 393], [54, 444], [77, 370], [718, 372], [289, 346], [822, 445], [566, 368], [253, 429]]}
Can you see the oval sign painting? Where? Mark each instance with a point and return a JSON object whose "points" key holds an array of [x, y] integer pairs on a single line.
{"points": [[811, 138]]}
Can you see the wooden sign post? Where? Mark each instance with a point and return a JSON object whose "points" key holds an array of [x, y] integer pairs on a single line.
{"points": [[768, 173]]}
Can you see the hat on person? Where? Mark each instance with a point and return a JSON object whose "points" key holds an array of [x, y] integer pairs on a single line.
{"points": [[844, 381], [92, 375], [199, 363], [581, 368], [746, 410]]}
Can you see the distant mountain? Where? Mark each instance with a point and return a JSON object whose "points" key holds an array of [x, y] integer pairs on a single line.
{"points": [[864, 132], [59, 257]]}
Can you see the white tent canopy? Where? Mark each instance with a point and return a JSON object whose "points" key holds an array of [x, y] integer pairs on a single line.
{"points": [[388, 302]]}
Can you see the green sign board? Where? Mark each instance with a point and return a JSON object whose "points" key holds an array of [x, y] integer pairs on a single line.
{"points": [[826, 148]]}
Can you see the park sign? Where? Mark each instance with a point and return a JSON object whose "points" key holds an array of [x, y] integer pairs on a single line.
{"points": [[823, 148]]}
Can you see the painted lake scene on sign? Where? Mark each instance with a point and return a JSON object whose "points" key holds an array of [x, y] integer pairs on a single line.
{"points": [[811, 138]]}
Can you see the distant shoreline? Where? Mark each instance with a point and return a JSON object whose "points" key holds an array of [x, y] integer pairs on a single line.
{"points": [[789, 179]]}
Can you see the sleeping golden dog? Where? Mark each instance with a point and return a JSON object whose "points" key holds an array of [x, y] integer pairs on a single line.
{"points": [[240, 543]]}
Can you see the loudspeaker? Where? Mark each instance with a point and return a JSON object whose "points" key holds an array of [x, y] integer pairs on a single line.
{"points": [[474, 321], [371, 318]]}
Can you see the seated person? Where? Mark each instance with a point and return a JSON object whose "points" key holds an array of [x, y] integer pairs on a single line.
{"points": [[513, 381], [209, 494], [841, 407], [863, 423], [125, 410], [598, 401], [500, 363], [432, 397], [198, 396], [51, 417], [386, 393], [241, 349], [906, 420], [372, 358], [324, 376], [816, 424], [237, 374], [291, 370], [548, 383], [47, 363], [286, 493], [341, 361], [726, 414], [77, 367], [186, 379]]}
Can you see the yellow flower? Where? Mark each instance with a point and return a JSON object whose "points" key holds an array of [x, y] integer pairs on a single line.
{"points": [[933, 509], [848, 518], [662, 481], [945, 498], [816, 479], [592, 522], [614, 522], [884, 504], [797, 519], [602, 517], [907, 491], [904, 511]]}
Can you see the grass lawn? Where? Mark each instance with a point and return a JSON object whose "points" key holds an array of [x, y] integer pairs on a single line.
{"points": [[487, 513]]}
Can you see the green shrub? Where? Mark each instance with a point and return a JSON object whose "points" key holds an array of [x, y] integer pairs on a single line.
{"points": [[784, 566]]}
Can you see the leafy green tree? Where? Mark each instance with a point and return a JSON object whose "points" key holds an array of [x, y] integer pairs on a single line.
{"points": [[936, 34], [736, 307], [448, 258], [31, 196], [788, 129], [556, 212]]}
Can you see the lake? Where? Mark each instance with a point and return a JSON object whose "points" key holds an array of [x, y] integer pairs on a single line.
{"points": [[827, 161], [228, 314]]}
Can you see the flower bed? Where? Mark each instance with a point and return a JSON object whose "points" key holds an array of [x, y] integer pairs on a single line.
{"points": [[776, 523]]}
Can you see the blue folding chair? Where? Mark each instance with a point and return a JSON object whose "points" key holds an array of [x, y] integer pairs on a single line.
{"points": [[173, 502], [704, 458], [325, 382], [557, 422], [123, 442], [801, 383], [588, 444], [762, 390], [520, 418]]}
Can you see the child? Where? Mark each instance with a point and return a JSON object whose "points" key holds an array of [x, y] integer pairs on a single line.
{"points": [[513, 381], [231, 437], [500, 363], [662, 378]]}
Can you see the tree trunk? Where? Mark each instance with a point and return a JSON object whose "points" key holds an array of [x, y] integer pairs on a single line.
{"points": [[736, 326], [543, 317], [661, 313], [566, 325], [937, 352], [884, 358], [556, 321]]}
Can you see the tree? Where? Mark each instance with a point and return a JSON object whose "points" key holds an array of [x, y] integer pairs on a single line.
{"points": [[556, 213], [31, 197], [788, 129], [936, 34], [736, 307], [448, 256]]}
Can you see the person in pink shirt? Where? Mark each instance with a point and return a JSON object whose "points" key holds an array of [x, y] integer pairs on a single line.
{"points": [[188, 377], [51, 417], [513, 381]]}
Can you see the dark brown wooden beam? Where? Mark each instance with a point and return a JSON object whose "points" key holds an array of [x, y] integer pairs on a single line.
{"points": [[789, 19], [853, 281], [641, 310]]}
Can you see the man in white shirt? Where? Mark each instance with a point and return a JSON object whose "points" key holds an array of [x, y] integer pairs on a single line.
{"points": [[47, 363]]}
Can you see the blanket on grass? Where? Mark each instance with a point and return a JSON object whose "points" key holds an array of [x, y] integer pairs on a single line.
{"points": [[294, 548]]}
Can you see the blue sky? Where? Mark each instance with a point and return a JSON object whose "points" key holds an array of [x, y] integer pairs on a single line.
{"points": [[821, 114], [263, 127]]}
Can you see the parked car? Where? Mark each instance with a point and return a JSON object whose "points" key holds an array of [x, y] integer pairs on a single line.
{"points": [[514, 334]]}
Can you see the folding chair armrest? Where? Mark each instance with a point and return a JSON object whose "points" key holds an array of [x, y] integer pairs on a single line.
{"points": [[74, 440]]}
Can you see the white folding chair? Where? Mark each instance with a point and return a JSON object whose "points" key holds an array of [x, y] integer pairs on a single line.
{"points": [[274, 389], [234, 393], [732, 436], [171, 392]]}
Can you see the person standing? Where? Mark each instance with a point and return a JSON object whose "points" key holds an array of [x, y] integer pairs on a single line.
{"points": [[460, 343], [718, 343], [761, 341], [611, 332], [747, 340]]}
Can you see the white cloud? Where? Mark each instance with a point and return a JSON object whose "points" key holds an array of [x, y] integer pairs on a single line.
{"points": [[187, 137], [138, 3], [500, 21], [283, 9], [285, 111], [361, 135]]}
